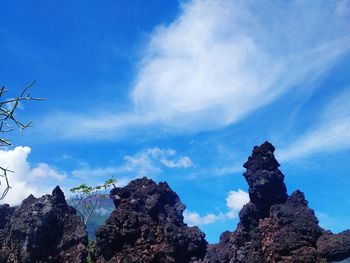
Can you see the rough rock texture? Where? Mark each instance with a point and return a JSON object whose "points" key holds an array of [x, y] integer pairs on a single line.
{"points": [[147, 226], [334, 247], [275, 227], [42, 230], [5, 214]]}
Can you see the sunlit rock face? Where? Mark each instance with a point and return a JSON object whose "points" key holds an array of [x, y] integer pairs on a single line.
{"points": [[42, 230], [275, 227], [147, 226]]}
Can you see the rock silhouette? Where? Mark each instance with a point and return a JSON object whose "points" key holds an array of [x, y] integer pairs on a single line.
{"points": [[275, 227], [42, 230], [147, 226]]}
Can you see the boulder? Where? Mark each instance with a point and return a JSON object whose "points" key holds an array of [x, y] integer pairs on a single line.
{"points": [[147, 226], [42, 230]]}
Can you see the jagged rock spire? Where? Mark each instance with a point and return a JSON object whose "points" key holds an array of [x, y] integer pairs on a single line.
{"points": [[265, 180], [274, 227], [58, 196]]}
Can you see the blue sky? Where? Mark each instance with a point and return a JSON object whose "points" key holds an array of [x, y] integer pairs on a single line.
{"points": [[181, 91]]}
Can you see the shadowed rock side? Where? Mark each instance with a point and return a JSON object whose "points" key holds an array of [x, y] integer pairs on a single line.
{"points": [[275, 227], [147, 226], [42, 230], [5, 215]]}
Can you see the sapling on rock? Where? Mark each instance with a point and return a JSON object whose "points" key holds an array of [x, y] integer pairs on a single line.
{"points": [[89, 198]]}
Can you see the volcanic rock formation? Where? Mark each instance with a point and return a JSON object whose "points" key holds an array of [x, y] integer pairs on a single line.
{"points": [[275, 227], [147, 226], [42, 230]]}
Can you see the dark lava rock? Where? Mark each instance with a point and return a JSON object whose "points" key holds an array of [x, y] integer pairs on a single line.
{"points": [[275, 227], [147, 226], [334, 246], [5, 214], [42, 230], [265, 180]]}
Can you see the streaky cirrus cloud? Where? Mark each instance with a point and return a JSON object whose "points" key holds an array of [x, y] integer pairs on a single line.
{"points": [[221, 60], [235, 200], [329, 133], [150, 162]]}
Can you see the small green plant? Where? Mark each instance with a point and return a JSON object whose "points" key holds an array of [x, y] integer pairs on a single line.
{"points": [[90, 251], [89, 198]]}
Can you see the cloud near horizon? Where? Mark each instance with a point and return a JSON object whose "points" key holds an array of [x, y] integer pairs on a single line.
{"points": [[42, 178], [26, 180], [150, 162], [218, 62], [235, 200]]}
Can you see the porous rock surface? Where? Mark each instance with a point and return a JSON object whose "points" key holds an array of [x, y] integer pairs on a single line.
{"points": [[275, 227], [42, 230], [147, 226]]}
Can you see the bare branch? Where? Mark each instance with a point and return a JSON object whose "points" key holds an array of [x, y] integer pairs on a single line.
{"points": [[7, 188], [8, 108]]}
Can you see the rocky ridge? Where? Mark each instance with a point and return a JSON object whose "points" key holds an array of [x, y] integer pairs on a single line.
{"points": [[147, 226]]}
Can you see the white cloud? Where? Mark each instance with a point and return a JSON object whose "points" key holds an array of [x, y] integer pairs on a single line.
{"points": [[26, 180], [195, 219], [45, 171], [330, 133], [219, 61], [183, 162], [235, 200]]}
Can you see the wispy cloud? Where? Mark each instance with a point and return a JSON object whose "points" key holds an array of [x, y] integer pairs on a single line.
{"points": [[227, 170], [168, 158], [219, 61], [235, 200], [330, 132], [149, 162]]}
